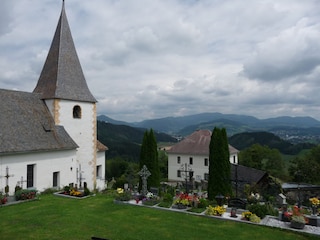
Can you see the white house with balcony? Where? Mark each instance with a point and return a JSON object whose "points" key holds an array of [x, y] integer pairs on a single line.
{"points": [[192, 154]]}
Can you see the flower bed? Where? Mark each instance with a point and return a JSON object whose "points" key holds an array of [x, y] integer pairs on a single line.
{"points": [[73, 193], [25, 194]]}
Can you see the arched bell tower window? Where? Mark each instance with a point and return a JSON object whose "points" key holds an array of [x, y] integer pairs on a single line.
{"points": [[76, 111]]}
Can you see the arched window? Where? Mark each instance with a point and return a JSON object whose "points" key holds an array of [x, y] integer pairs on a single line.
{"points": [[76, 111]]}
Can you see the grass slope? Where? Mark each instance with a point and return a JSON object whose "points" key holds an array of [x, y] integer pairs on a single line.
{"points": [[55, 217]]}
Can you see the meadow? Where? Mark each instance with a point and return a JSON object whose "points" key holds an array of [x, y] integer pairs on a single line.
{"points": [[53, 217]]}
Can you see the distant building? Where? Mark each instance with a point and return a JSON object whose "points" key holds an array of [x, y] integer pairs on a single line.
{"points": [[48, 138], [193, 152]]}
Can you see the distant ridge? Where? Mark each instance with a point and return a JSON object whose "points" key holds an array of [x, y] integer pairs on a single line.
{"points": [[232, 122]]}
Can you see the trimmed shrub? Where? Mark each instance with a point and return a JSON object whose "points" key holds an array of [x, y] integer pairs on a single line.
{"points": [[261, 210]]}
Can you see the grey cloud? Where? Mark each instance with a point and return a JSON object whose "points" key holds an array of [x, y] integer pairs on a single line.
{"points": [[294, 52]]}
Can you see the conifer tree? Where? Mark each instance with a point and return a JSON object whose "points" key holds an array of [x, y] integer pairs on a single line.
{"points": [[149, 157], [154, 179], [219, 164]]}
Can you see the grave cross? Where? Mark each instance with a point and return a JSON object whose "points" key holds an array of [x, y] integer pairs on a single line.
{"points": [[187, 172], [144, 174], [21, 182], [79, 176], [7, 176], [236, 180]]}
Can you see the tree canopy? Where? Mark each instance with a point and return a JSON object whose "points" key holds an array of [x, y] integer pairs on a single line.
{"points": [[306, 169], [263, 158]]}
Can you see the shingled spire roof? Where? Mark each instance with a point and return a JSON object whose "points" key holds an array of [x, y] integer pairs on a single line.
{"points": [[62, 75]]}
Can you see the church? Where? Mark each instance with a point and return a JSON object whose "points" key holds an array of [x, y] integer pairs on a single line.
{"points": [[48, 138]]}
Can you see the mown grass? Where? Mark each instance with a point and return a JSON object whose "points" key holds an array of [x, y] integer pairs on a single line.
{"points": [[55, 217]]}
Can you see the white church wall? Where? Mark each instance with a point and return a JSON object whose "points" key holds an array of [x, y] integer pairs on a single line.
{"points": [[83, 131], [100, 182], [45, 164]]}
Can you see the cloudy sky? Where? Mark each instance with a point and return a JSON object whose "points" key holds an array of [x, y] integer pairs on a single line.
{"points": [[149, 59]]}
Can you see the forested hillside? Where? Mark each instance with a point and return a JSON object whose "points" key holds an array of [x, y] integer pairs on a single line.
{"points": [[244, 140], [124, 141]]}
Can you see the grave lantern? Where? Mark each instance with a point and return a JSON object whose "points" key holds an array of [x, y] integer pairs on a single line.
{"points": [[233, 212]]}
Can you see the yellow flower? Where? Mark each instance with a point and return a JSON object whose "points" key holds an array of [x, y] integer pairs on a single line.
{"points": [[247, 215], [314, 201], [218, 210], [120, 190]]}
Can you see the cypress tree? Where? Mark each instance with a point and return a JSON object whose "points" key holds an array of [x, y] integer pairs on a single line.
{"points": [[219, 164], [143, 155], [154, 179], [149, 157]]}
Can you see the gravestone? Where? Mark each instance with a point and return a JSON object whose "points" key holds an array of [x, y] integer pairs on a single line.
{"points": [[144, 174], [154, 190]]}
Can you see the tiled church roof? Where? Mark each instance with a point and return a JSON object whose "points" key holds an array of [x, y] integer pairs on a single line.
{"points": [[62, 75], [27, 125], [197, 143]]}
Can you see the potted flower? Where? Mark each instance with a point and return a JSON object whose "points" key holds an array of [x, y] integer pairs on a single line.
{"points": [[315, 202], [246, 215], [297, 220], [215, 211]]}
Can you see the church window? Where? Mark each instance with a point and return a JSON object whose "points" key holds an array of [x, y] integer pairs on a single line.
{"points": [[30, 175], [178, 159], [76, 111], [99, 171], [190, 160], [179, 173], [206, 162], [55, 179]]}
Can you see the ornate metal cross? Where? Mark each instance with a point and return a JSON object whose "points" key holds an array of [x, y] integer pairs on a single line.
{"points": [[187, 173], [21, 182], [7, 176], [144, 174], [79, 176]]}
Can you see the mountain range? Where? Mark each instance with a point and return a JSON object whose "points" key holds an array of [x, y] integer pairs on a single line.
{"points": [[294, 129], [287, 134]]}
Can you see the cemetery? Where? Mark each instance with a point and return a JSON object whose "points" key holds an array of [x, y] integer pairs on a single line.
{"points": [[252, 210], [195, 203]]}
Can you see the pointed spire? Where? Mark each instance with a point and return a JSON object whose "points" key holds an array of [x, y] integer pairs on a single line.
{"points": [[62, 75]]}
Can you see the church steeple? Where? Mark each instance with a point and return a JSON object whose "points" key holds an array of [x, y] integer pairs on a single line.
{"points": [[62, 76]]}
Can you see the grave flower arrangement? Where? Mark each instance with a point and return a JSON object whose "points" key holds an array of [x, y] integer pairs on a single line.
{"points": [[150, 199], [122, 195], [183, 199], [25, 194], [215, 211], [3, 198], [315, 202], [246, 215], [76, 193], [249, 216], [296, 218]]}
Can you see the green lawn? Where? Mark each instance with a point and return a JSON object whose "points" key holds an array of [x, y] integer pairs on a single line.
{"points": [[55, 217]]}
